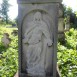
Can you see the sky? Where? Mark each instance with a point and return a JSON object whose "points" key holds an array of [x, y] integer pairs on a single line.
{"points": [[71, 3], [13, 10]]}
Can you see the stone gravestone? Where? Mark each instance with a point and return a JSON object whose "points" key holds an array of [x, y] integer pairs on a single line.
{"points": [[61, 25], [38, 28], [6, 40]]}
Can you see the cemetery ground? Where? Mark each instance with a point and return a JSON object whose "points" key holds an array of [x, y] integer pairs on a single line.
{"points": [[66, 54]]}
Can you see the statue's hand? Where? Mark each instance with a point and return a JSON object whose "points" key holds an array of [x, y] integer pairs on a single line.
{"points": [[49, 42]]}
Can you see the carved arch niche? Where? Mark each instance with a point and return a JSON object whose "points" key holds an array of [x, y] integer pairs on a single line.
{"points": [[28, 18]]}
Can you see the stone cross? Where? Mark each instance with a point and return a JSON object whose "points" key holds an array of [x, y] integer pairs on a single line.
{"points": [[38, 29]]}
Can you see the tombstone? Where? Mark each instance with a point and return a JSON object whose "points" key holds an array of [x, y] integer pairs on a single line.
{"points": [[61, 30], [38, 29], [61, 25], [6, 40]]}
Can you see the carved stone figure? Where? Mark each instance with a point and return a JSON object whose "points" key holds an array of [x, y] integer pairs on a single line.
{"points": [[37, 38]]}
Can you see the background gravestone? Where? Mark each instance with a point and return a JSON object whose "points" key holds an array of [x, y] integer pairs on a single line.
{"points": [[38, 28], [6, 40]]}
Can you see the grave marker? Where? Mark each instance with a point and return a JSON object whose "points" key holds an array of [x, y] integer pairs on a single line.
{"points": [[38, 29]]}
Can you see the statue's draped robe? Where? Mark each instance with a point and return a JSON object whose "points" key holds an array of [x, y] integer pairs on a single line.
{"points": [[38, 52]]}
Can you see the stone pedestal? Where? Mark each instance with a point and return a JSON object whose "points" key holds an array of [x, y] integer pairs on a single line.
{"points": [[38, 29]]}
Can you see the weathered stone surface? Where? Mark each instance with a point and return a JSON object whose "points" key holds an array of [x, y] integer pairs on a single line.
{"points": [[61, 13], [61, 25], [57, 73], [37, 44], [38, 28], [6, 40], [37, 38], [38, 1]]}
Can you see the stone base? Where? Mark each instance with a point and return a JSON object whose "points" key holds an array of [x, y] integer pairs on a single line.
{"points": [[57, 74]]}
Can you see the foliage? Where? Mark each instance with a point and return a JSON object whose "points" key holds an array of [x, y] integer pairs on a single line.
{"points": [[67, 55], [70, 16], [8, 56], [67, 11], [4, 10]]}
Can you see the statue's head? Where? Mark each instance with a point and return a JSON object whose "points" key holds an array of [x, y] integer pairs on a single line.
{"points": [[37, 16]]}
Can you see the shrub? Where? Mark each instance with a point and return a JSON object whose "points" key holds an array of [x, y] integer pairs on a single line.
{"points": [[8, 56], [67, 55]]}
